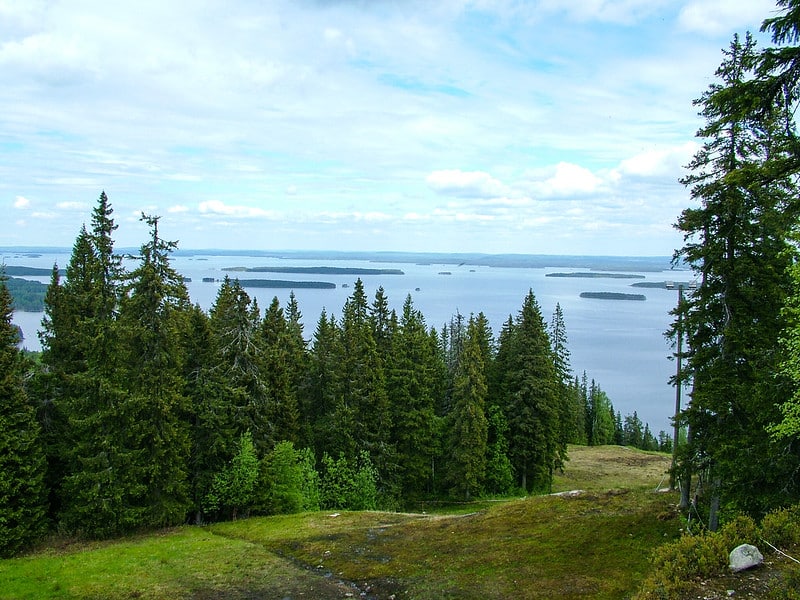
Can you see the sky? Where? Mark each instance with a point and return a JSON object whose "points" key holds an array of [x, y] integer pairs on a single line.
{"points": [[494, 126]]}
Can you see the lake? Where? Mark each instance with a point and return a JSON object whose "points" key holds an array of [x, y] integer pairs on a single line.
{"points": [[619, 343]]}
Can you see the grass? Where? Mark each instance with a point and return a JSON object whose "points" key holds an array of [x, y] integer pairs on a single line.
{"points": [[591, 545]]}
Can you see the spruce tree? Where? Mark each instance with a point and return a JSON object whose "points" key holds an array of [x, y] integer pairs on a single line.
{"points": [[22, 460], [412, 388], [235, 322], [737, 243], [529, 384], [153, 415], [468, 426], [279, 373]]}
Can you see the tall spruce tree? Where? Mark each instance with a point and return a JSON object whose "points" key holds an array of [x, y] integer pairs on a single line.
{"points": [[411, 381], [212, 430], [279, 372], [235, 322], [22, 459], [153, 415], [737, 243], [528, 383], [468, 427], [362, 413], [82, 349]]}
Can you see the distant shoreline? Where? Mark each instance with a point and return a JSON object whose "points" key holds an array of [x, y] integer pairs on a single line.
{"points": [[457, 259]]}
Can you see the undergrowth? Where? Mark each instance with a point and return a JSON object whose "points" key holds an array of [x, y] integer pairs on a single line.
{"points": [[677, 566]]}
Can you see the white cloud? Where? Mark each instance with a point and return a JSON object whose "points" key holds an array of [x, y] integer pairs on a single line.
{"points": [[72, 206], [217, 207], [21, 202], [609, 11], [716, 17], [564, 179], [662, 162], [178, 209], [467, 184]]}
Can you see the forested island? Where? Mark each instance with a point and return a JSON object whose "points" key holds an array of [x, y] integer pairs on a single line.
{"points": [[318, 270], [285, 284], [613, 296], [596, 275]]}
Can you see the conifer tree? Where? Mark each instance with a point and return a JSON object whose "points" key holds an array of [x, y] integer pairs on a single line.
{"points": [[81, 348], [737, 243], [22, 460], [152, 416], [279, 373], [529, 383], [362, 412], [412, 388], [468, 426], [212, 431], [235, 322]]}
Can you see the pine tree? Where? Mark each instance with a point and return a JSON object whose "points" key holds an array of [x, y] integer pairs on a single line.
{"points": [[22, 460]]}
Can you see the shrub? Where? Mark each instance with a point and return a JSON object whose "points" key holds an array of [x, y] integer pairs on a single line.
{"points": [[782, 527], [741, 530], [349, 485], [677, 564]]}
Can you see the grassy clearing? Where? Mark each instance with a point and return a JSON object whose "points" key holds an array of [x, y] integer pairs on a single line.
{"points": [[593, 545]]}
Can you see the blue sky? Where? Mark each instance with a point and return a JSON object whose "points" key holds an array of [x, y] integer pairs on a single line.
{"points": [[498, 126]]}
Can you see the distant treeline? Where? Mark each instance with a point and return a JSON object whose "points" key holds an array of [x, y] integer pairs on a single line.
{"points": [[318, 270], [284, 284], [28, 296], [595, 275], [613, 296]]}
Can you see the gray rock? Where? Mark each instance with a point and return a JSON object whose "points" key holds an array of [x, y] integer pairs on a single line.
{"points": [[745, 557]]}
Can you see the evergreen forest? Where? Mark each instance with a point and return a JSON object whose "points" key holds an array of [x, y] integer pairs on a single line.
{"points": [[142, 410]]}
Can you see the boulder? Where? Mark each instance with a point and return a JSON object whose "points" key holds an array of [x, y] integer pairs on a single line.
{"points": [[745, 557]]}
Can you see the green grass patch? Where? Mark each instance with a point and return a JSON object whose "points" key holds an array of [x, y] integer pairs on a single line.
{"points": [[592, 545]]}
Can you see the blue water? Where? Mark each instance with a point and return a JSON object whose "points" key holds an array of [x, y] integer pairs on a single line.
{"points": [[620, 344]]}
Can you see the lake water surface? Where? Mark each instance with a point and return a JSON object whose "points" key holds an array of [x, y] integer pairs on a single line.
{"points": [[618, 343]]}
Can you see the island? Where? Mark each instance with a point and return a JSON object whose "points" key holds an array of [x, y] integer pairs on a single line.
{"points": [[613, 296], [596, 275], [318, 270], [283, 284]]}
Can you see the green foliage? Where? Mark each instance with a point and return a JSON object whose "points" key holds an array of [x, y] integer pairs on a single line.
{"points": [[738, 242], [781, 527], [27, 295], [350, 485], [233, 490], [289, 481], [676, 565], [22, 460], [499, 471], [468, 425]]}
